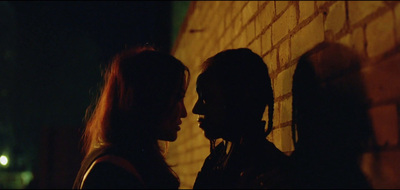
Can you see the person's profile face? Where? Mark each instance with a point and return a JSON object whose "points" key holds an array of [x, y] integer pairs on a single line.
{"points": [[170, 125], [211, 109]]}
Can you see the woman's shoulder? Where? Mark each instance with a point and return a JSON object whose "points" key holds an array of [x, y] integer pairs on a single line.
{"points": [[112, 171], [120, 162]]}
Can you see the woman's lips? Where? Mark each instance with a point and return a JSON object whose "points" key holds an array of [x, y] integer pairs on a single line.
{"points": [[200, 119]]}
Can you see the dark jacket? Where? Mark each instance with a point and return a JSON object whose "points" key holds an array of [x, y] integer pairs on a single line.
{"points": [[107, 174], [124, 168], [252, 165]]}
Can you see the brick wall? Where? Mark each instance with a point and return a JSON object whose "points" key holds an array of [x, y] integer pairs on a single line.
{"points": [[281, 31]]}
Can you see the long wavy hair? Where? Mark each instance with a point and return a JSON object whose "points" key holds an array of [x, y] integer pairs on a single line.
{"points": [[141, 86]]}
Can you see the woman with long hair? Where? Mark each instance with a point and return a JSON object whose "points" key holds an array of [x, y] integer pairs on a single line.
{"points": [[140, 105]]}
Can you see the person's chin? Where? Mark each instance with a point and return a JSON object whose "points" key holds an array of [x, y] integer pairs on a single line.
{"points": [[170, 137], [210, 136]]}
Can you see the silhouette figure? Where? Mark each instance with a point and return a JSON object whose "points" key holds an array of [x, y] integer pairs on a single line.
{"points": [[141, 103], [234, 89], [330, 115]]}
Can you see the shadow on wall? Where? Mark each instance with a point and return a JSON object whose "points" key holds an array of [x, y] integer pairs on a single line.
{"points": [[330, 114]]}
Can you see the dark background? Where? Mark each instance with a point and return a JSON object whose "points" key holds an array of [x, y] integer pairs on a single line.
{"points": [[52, 57]]}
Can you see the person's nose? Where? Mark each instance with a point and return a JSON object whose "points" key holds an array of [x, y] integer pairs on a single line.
{"points": [[183, 110], [197, 107]]}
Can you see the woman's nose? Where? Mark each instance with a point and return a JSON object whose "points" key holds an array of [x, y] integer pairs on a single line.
{"points": [[183, 110], [197, 107]]}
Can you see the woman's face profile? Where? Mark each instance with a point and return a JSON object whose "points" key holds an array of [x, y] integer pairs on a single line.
{"points": [[169, 127]]}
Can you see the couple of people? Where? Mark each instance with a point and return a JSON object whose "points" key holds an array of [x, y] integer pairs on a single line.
{"points": [[142, 102]]}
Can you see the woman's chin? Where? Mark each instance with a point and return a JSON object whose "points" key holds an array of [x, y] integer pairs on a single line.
{"points": [[170, 137]]}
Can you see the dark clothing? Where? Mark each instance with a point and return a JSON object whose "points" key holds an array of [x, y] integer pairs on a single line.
{"points": [[249, 165], [326, 171], [147, 173], [105, 175]]}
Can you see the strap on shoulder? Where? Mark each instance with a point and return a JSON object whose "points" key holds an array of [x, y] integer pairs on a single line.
{"points": [[116, 160]]}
